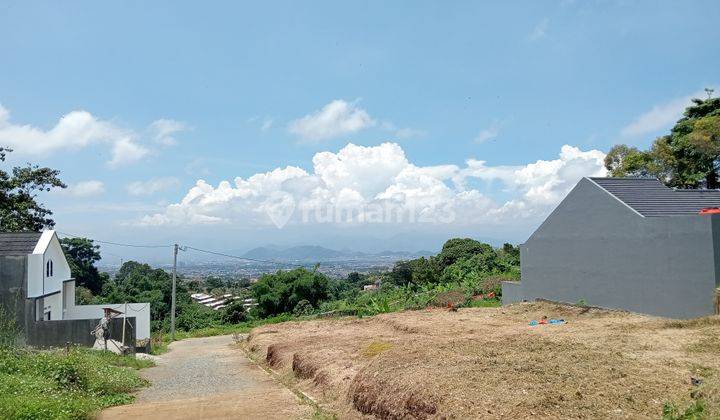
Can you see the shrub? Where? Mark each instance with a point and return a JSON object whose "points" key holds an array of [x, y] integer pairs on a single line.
{"points": [[303, 308], [235, 313], [192, 316]]}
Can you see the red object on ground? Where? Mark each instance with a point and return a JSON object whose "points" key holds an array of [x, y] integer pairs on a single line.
{"points": [[491, 295], [710, 210]]}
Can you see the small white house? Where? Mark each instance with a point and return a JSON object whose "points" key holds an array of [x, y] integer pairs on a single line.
{"points": [[49, 284]]}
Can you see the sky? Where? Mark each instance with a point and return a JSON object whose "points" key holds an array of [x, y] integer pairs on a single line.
{"points": [[352, 125]]}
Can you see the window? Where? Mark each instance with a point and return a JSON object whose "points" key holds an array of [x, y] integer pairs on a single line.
{"points": [[49, 269]]}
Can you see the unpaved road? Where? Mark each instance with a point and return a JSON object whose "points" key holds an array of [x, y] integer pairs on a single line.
{"points": [[206, 378]]}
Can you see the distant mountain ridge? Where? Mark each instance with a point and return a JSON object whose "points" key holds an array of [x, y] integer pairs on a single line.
{"points": [[319, 253]]}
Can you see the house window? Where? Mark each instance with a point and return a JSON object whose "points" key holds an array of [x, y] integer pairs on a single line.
{"points": [[49, 269]]}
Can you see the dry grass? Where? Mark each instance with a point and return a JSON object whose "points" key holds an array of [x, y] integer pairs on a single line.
{"points": [[488, 362], [375, 348]]}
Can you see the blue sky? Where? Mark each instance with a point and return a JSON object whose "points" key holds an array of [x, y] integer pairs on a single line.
{"points": [[175, 92]]}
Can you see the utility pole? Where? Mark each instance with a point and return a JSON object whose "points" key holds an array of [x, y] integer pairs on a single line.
{"points": [[172, 305], [124, 321]]}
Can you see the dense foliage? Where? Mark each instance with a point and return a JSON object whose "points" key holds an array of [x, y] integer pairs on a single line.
{"points": [[19, 208], [281, 292], [81, 255], [53, 384], [688, 157], [465, 266]]}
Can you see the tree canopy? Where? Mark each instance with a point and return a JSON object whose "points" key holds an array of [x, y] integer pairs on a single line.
{"points": [[82, 254], [19, 208], [281, 292], [688, 157]]}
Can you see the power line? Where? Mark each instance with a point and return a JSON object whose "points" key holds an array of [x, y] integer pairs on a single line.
{"points": [[237, 257], [117, 243], [183, 248]]}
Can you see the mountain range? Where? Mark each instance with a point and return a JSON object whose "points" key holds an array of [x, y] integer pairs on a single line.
{"points": [[319, 253]]}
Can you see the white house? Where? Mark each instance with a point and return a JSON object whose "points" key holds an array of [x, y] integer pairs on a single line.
{"points": [[49, 284]]}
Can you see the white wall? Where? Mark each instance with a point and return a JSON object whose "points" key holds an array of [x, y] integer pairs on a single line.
{"points": [[141, 312], [61, 269], [52, 303], [47, 249], [35, 275]]}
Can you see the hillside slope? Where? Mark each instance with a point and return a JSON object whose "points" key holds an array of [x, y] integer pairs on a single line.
{"points": [[488, 362]]}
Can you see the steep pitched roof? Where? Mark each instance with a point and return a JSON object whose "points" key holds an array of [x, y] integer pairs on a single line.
{"points": [[651, 198], [16, 244]]}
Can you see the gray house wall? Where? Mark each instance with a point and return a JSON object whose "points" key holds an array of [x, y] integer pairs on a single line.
{"points": [[13, 276], [14, 303], [595, 248]]}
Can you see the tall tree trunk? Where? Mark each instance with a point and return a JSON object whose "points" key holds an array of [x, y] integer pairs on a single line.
{"points": [[711, 181]]}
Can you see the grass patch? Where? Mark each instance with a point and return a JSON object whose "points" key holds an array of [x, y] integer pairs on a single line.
{"points": [[484, 303], [52, 384], [161, 340], [707, 344], [706, 321], [375, 348]]}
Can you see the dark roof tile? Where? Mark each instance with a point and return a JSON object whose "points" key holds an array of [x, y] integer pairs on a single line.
{"points": [[650, 197], [15, 244]]}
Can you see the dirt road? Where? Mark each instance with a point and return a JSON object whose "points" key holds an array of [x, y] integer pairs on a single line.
{"points": [[207, 378]]}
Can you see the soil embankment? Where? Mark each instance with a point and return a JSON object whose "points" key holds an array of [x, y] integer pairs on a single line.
{"points": [[490, 363]]}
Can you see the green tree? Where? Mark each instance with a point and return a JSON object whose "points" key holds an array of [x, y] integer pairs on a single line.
{"points": [[234, 313], [688, 157], [136, 282], [82, 254], [213, 282], [19, 208], [280, 292], [459, 248]]}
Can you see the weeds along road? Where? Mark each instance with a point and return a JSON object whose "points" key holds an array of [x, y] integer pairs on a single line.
{"points": [[209, 378]]}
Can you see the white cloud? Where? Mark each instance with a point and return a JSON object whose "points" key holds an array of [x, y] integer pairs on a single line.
{"points": [[381, 177], [125, 151], [83, 189], [163, 130], [335, 119], [540, 30], [401, 133], [77, 130], [660, 117], [488, 133], [152, 186]]}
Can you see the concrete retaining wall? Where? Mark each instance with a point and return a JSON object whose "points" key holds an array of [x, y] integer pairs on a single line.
{"points": [[46, 334]]}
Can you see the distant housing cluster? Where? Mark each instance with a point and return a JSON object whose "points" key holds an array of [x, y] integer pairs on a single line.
{"points": [[219, 302]]}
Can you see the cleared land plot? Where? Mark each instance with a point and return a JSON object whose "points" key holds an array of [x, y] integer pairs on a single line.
{"points": [[488, 362]]}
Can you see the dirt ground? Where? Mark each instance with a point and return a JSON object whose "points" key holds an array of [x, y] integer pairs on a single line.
{"points": [[490, 363], [209, 378]]}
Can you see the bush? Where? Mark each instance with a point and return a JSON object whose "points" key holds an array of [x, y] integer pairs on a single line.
{"points": [[235, 313], [192, 316], [303, 308]]}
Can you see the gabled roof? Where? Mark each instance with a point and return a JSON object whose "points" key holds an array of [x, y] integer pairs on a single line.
{"points": [[18, 244], [651, 198]]}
